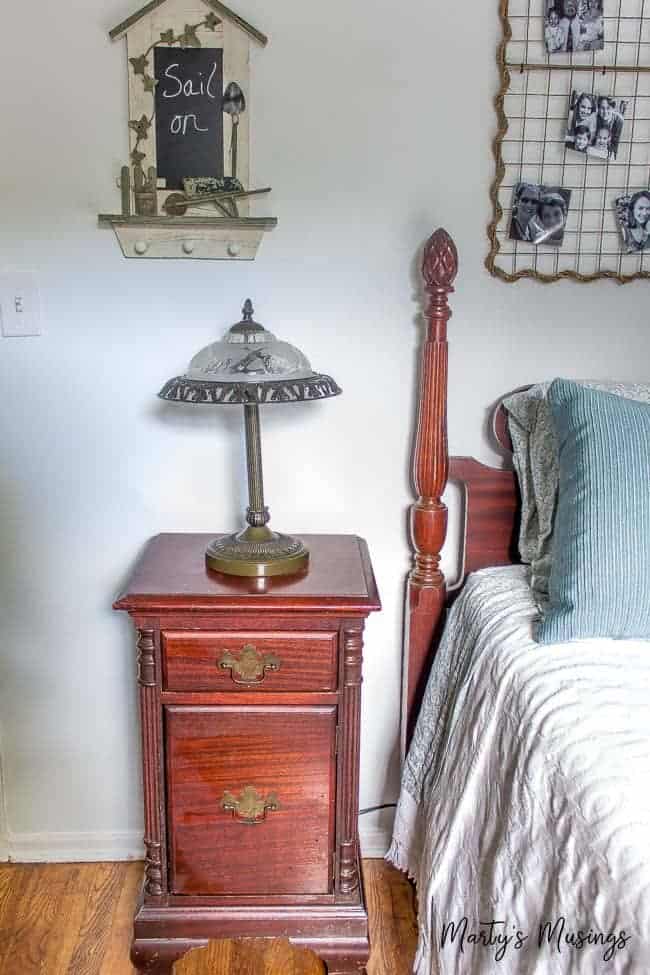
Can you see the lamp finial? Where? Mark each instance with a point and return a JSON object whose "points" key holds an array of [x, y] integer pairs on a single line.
{"points": [[247, 310]]}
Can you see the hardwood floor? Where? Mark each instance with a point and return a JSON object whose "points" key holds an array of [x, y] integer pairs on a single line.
{"points": [[75, 919]]}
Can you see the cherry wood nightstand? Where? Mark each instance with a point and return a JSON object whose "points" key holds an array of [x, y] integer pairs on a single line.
{"points": [[250, 707]]}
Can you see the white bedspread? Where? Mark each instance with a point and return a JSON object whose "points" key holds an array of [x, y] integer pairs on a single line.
{"points": [[526, 796]]}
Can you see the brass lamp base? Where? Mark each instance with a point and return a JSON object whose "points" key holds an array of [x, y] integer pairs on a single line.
{"points": [[257, 552]]}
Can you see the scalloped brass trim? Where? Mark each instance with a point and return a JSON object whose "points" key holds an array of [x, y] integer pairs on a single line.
{"points": [[250, 667], [250, 809]]}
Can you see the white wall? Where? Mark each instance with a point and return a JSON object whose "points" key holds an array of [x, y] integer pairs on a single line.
{"points": [[372, 122]]}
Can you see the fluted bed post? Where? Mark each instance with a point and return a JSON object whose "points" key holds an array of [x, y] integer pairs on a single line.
{"points": [[426, 583]]}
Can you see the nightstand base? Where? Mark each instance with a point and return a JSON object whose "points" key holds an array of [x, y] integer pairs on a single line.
{"points": [[336, 933]]}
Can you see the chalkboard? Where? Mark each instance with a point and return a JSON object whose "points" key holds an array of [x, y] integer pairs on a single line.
{"points": [[189, 116]]}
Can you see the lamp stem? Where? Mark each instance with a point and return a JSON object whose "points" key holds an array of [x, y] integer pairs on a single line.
{"points": [[257, 514]]}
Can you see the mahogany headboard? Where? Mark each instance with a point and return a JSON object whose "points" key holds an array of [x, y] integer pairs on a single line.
{"points": [[491, 499]]}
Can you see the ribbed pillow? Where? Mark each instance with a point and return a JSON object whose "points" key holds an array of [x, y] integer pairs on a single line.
{"points": [[535, 457], [600, 571]]}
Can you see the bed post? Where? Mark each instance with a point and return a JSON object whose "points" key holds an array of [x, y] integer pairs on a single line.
{"points": [[426, 583]]}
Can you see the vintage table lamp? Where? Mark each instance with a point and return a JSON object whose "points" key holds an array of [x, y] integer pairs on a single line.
{"points": [[250, 367]]}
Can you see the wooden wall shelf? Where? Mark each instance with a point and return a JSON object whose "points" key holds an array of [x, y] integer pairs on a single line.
{"points": [[197, 237], [188, 69]]}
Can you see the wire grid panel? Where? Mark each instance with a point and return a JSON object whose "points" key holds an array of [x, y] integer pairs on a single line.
{"points": [[533, 110]]}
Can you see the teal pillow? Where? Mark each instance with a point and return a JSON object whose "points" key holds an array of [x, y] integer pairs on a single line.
{"points": [[600, 569]]}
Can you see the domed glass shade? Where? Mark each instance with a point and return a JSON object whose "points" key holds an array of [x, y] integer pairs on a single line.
{"points": [[249, 365]]}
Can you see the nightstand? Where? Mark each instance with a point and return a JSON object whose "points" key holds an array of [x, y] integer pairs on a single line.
{"points": [[250, 696]]}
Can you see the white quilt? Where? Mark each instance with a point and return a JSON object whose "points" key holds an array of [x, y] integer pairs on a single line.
{"points": [[526, 797]]}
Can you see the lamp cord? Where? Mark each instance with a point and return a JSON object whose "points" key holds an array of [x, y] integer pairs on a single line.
{"points": [[370, 809]]}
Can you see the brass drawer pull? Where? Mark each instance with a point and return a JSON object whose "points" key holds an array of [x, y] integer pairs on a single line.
{"points": [[250, 808], [250, 667]]}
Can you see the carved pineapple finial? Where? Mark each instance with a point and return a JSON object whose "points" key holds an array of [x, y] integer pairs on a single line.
{"points": [[440, 262]]}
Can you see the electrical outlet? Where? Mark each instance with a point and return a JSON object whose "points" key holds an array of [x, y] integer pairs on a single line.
{"points": [[20, 309]]}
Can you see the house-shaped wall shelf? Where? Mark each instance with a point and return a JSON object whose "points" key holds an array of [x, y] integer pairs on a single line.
{"points": [[186, 193]]}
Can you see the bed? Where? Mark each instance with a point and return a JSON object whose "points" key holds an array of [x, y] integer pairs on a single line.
{"points": [[524, 812]]}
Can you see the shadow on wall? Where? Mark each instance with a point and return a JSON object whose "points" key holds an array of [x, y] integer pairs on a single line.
{"points": [[225, 424], [18, 670]]}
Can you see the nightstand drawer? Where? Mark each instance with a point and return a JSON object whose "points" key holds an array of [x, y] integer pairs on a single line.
{"points": [[251, 799], [235, 660]]}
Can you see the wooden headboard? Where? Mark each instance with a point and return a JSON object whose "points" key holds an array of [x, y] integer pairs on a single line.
{"points": [[491, 499]]}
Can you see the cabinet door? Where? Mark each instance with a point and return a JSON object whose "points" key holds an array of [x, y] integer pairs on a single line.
{"points": [[251, 797]]}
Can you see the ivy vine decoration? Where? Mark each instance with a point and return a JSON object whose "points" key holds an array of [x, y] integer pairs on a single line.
{"points": [[187, 38]]}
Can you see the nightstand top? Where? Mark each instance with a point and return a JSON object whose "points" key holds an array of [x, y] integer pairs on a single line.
{"points": [[171, 574]]}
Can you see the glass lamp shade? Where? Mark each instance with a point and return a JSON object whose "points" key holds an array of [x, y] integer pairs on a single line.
{"points": [[250, 367]]}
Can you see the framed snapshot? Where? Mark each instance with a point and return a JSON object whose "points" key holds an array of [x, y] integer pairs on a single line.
{"points": [[539, 213], [573, 25], [595, 124], [633, 215]]}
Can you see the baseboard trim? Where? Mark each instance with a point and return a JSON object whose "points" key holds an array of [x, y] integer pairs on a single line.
{"points": [[4, 821], [71, 847], [374, 841], [124, 845]]}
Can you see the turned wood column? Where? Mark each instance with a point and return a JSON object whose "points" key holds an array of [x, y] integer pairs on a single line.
{"points": [[151, 749], [350, 745], [426, 583]]}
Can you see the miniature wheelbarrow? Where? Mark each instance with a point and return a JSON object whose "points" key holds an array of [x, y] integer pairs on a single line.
{"points": [[177, 204]]}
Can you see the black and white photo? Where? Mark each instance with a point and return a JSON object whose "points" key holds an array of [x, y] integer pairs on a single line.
{"points": [[595, 124], [539, 213], [633, 213], [574, 25]]}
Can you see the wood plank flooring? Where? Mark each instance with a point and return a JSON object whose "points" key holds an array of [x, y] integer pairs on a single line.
{"points": [[75, 919]]}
